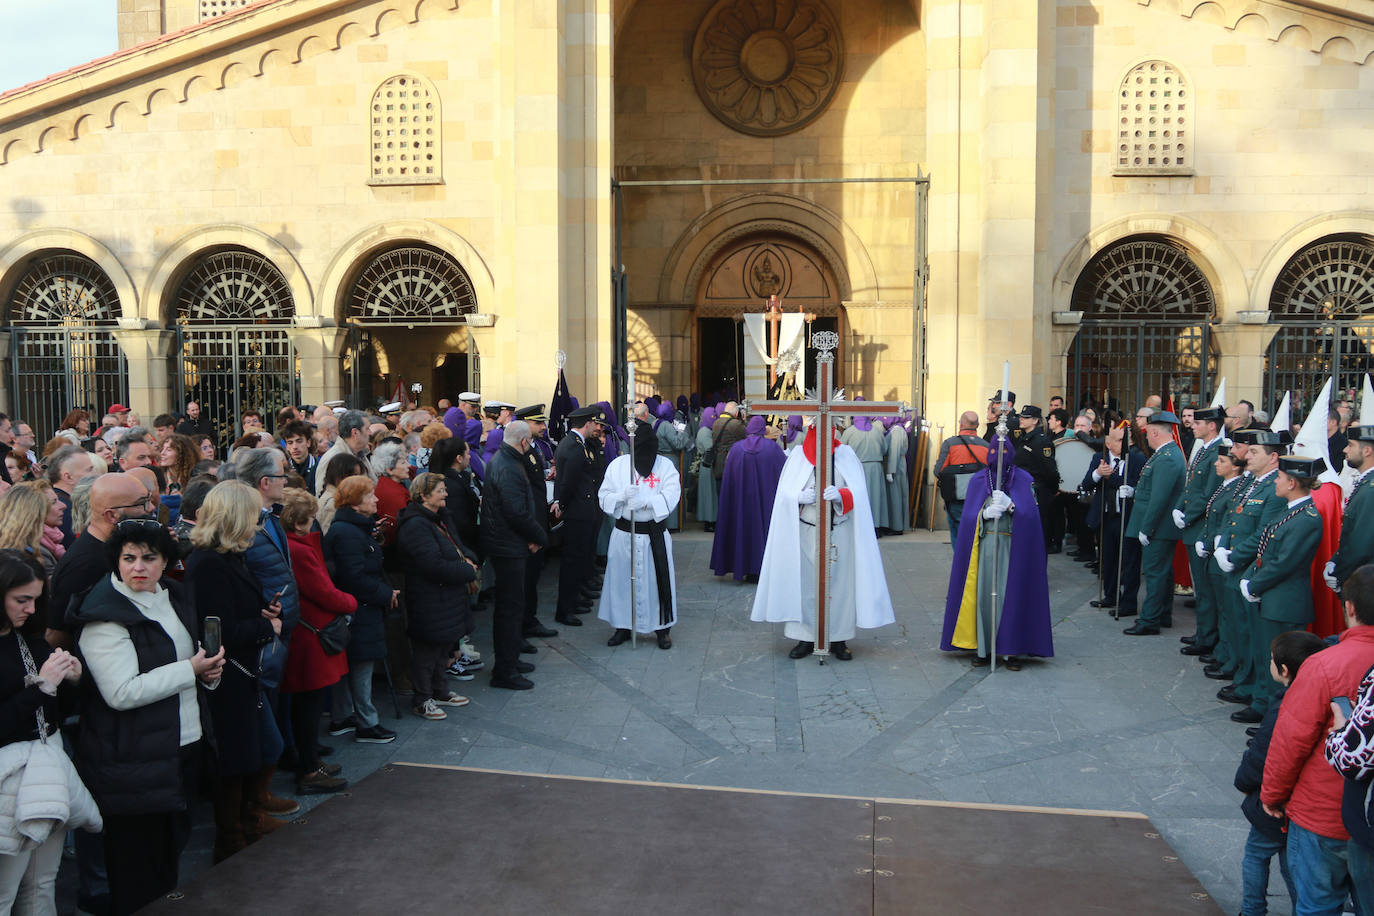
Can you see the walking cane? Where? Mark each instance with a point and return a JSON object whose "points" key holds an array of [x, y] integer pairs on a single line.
{"points": [[1000, 435], [1121, 526], [634, 545]]}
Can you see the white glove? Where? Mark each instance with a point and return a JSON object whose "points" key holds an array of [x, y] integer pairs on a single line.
{"points": [[889, 478], [1179, 521], [997, 506], [636, 499], [1245, 591], [1224, 559], [807, 497], [1329, 574], [1144, 539], [1200, 548], [1332, 584], [680, 426], [832, 494], [1125, 492]]}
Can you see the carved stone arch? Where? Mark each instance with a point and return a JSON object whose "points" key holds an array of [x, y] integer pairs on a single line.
{"points": [[47, 139], [355, 254], [774, 213], [1216, 261], [15, 258], [159, 293], [1348, 222]]}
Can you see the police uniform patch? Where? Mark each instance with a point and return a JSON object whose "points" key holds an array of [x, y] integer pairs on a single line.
{"points": [[1048, 452]]}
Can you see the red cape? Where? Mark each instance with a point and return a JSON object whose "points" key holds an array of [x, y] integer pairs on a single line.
{"points": [[1328, 617]]}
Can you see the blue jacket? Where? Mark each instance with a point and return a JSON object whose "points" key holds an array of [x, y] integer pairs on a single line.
{"points": [[272, 567]]}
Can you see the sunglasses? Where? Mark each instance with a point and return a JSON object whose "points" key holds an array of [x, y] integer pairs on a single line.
{"points": [[139, 526]]}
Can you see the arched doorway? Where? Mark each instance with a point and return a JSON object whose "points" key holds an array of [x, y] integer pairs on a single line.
{"points": [[1323, 302], [61, 314], [233, 307], [406, 309], [739, 280], [1146, 309]]}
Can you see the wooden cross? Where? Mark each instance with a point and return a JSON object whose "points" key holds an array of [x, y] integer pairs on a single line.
{"points": [[823, 407], [773, 315]]}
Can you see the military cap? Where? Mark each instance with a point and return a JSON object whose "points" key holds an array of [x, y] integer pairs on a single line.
{"points": [[498, 405], [583, 414], [1255, 436], [1224, 449], [533, 412], [1030, 410], [1212, 414], [1285, 437], [1167, 417], [1361, 434], [1296, 466], [997, 396]]}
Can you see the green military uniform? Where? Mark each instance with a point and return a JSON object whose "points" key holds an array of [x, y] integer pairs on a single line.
{"points": [[1357, 531], [1256, 507], [1281, 578], [1219, 506], [1156, 494], [1202, 481]]}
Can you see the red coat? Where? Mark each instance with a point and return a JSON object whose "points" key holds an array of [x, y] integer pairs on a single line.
{"points": [[307, 667], [1328, 613], [391, 499], [1296, 774]]}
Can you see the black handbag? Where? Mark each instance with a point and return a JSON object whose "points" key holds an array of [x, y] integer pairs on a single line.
{"points": [[334, 635]]}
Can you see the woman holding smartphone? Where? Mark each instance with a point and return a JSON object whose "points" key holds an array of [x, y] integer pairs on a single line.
{"points": [[143, 719], [247, 741]]}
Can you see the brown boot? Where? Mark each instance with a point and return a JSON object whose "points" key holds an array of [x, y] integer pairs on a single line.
{"points": [[228, 802], [272, 804]]}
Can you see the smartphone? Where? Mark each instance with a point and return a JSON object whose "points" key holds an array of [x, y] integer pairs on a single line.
{"points": [[211, 640], [1343, 704]]}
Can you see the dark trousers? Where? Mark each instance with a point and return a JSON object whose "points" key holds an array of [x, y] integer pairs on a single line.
{"points": [[306, 708], [1262, 633], [1120, 564], [1205, 599], [579, 549], [428, 661], [507, 613], [534, 566], [142, 851], [1157, 569]]}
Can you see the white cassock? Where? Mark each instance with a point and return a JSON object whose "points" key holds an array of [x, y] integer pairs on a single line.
{"points": [[660, 491], [787, 583]]}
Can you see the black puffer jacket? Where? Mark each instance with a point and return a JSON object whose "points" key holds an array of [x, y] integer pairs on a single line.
{"points": [[355, 562], [510, 516], [464, 506], [436, 577]]}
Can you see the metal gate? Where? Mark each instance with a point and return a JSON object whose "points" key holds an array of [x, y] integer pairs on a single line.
{"points": [[1302, 356], [57, 369], [228, 370], [1118, 364]]}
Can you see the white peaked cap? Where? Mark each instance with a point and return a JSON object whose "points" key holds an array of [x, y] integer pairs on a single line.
{"points": [[1367, 400], [1311, 439], [470, 396], [1219, 399], [1283, 417], [392, 407]]}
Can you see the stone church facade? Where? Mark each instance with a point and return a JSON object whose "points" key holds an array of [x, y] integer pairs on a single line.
{"points": [[302, 200]]}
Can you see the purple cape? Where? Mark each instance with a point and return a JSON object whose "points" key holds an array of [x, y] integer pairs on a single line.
{"points": [[494, 439], [746, 506], [1025, 626], [472, 435]]}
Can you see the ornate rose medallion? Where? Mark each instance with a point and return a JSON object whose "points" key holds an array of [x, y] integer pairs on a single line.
{"points": [[768, 67]]}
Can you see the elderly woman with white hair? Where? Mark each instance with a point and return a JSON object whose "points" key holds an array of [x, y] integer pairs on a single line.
{"points": [[391, 464]]}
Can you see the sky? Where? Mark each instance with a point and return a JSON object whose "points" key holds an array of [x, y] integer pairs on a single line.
{"points": [[42, 37]]}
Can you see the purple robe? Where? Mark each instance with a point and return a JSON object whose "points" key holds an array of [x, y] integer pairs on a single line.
{"points": [[1025, 627], [493, 445], [472, 435], [747, 491], [616, 435]]}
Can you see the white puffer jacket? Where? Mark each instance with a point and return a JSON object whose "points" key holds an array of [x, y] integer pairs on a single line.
{"points": [[40, 792]]}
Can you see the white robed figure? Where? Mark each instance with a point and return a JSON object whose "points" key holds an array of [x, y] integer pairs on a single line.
{"points": [[647, 500], [787, 584]]}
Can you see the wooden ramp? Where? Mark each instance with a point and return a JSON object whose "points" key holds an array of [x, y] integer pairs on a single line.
{"points": [[426, 839]]}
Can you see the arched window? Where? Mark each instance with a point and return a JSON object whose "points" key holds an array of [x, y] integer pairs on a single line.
{"points": [[61, 315], [1146, 307], [1155, 130], [404, 284], [1323, 302], [232, 309], [406, 133]]}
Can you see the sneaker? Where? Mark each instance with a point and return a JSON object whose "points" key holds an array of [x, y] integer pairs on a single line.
{"points": [[468, 650], [375, 734], [318, 783], [343, 728], [429, 711], [469, 662], [452, 699], [459, 671]]}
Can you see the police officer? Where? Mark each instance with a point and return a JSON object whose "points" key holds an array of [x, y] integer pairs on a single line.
{"points": [[1357, 522], [576, 480], [1221, 664], [1161, 484], [537, 469], [1034, 453], [1277, 587], [1190, 517], [994, 404]]}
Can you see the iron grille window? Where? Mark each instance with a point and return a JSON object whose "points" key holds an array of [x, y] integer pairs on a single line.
{"points": [[62, 290], [234, 286], [1148, 278], [405, 285], [1329, 280]]}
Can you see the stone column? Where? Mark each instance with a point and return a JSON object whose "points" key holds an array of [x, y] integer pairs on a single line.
{"points": [[1241, 360], [320, 351], [147, 352]]}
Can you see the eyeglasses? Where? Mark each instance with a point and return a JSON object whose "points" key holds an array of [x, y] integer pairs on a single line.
{"points": [[282, 476], [145, 501], [139, 526]]}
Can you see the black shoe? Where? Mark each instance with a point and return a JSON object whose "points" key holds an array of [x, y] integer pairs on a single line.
{"points": [[1208, 659], [568, 620], [527, 648], [523, 667], [709, 527], [514, 682], [582, 609], [1188, 640], [1126, 612], [664, 640], [1091, 567], [802, 650], [1140, 629], [841, 651], [618, 637], [981, 661], [1195, 649], [540, 631], [1215, 674], [1252, 731], [1247, 715], [1104, 603], [1229, 694]]}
